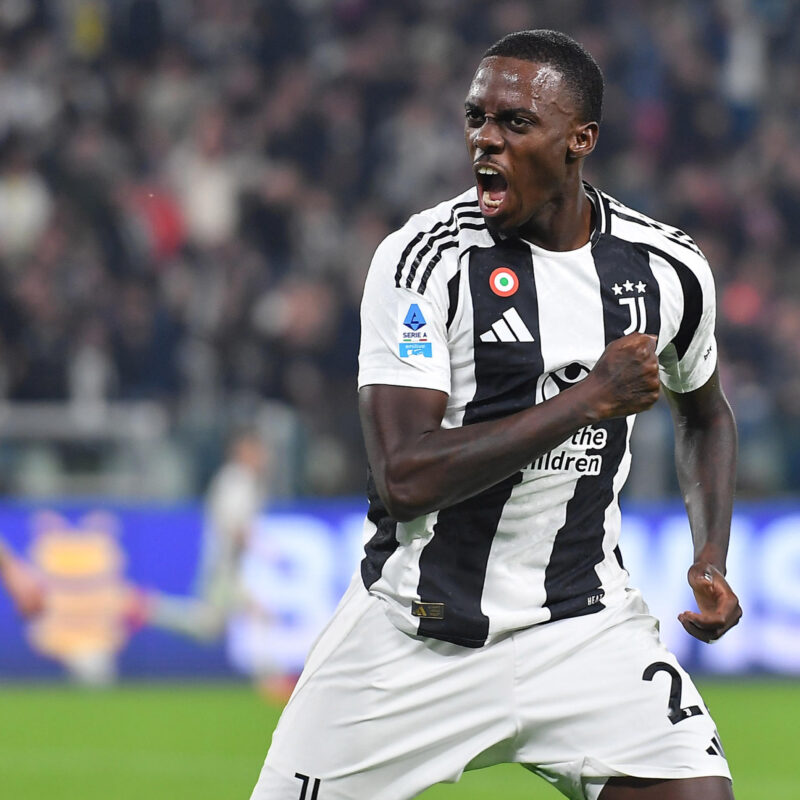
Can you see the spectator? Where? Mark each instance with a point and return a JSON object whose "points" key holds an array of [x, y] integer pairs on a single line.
{"points": [[171, 170]]}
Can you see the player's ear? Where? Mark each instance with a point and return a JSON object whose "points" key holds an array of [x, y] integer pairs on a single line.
{"points": [[583, 141]]}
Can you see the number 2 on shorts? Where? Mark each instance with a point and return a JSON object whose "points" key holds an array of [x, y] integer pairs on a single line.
{"points": [[304, 788], [675, 713]]}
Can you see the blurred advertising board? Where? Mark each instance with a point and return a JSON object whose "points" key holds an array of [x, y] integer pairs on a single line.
{"points": [[299, 564]]}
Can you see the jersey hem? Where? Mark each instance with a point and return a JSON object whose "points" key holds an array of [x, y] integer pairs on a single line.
{"points": [[603, 770], [392, 379], [473, 644]]}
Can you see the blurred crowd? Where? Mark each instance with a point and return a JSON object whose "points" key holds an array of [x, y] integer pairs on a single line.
{"points": [[191, 191]]}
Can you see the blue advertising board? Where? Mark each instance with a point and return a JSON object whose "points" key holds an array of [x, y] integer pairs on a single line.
{"points": [[299, 563]]}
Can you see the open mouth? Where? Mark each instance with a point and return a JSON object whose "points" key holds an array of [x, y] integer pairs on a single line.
{"points": [[492, 187]]}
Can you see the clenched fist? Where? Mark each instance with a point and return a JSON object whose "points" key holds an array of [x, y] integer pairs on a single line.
{"points": [[625, 378]]}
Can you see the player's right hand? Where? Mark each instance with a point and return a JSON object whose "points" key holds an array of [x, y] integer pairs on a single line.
{"points": [[625, 378]]}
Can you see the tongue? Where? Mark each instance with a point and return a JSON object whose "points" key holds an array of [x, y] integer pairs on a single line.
{"points": [[494, 187]]}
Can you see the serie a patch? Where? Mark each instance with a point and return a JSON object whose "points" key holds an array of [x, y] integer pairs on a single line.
{"points": [[414, 340]]}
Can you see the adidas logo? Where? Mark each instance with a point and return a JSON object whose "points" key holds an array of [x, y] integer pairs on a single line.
{"points": [[509, 328], [715, 748]]}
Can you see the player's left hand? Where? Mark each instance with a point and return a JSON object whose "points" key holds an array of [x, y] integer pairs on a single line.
{"points": [[719, 606], [26, 589]]}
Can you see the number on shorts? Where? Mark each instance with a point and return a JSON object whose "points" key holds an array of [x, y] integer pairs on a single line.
{"points": [[675, 713], [304, 789]]}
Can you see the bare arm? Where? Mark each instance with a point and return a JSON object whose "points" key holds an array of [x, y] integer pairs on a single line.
{"points": [[420, 466], [705, 455], [22, 584]]}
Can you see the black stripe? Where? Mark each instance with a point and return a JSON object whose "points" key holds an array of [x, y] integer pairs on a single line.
{"points": [[689, 245], [383, 542], [571, 582], [453, 286], [636, 216], [674, 235], [619, 262], [418, 238], [422, 234], [445, 234], [506, 373], [423, 284], [453, 563], [692, 300], [602, 211], [607, 209]]}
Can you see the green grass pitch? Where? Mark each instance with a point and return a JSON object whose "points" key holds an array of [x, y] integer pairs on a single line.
{"points": [[204, 742]]}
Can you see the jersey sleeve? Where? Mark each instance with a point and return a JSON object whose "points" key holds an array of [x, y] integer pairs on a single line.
{"points": [[403, 332], [690, 359]]}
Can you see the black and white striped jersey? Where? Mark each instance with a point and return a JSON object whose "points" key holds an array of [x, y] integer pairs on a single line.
{"points": [[498, 325]]}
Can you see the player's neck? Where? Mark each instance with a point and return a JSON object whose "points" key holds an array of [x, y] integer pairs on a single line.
{"points": [[565, 223]]}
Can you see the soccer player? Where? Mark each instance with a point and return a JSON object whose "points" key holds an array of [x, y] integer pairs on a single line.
{"points": [[234, 500], [509, 337], [26, 591]]}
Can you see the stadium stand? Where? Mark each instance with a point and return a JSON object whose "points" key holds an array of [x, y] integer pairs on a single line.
{"points": [[190, 192]]}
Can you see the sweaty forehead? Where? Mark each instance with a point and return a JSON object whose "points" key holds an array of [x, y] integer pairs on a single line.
{"points": [[513, 82]]}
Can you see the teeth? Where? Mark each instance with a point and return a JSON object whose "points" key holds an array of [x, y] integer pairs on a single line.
{"points": [[488, 171], [487, 201]]}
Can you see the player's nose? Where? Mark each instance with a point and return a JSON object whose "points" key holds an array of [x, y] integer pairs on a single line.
{"points": [[488, 138]]}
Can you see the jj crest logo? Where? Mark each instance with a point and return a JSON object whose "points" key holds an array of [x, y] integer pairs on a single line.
{"points": [[635, 304]]}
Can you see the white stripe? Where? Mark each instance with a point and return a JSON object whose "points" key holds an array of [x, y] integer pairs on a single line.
{"points": [[571, 324], [448, 231], [631, 303], [681, 248], [642, 315], [613, 578], [670, 301], [600, 210], [488, 337], [504, 333], [513, 318]]}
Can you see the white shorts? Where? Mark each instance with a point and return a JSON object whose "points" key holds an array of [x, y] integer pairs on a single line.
{"points": [[383, 715]]}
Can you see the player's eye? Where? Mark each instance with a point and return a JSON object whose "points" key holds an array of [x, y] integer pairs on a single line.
{"points": [[520, 122], [473, 116]]}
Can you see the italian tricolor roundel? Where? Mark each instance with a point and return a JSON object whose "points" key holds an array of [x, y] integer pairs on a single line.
{"points": [[503, 282]]}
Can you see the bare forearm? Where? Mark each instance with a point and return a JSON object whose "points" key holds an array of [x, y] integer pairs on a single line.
{"points": [[5, 556], [419, 466], [444, 466], [705, 453]]}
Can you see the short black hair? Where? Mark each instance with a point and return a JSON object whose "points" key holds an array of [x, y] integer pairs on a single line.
{"points": [[580, 71]]}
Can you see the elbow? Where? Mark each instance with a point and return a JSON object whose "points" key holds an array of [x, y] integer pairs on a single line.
{"points": [[404, 498], [402, 513]]}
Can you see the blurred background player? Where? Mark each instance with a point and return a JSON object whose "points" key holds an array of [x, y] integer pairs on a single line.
{"points": [[235, 497], [24, 587]]}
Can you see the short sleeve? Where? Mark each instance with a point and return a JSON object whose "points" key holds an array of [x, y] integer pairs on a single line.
{"points": [[689, 360], [403, 331]]}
